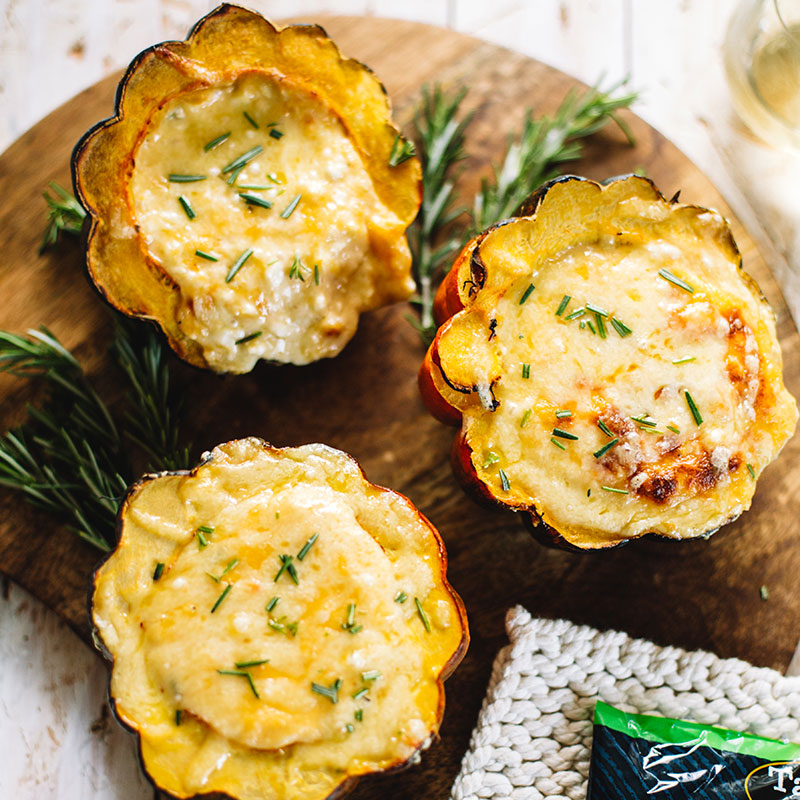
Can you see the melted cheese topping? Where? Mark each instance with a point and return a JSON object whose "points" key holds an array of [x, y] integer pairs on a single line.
{"points": [[174, 639], [325, 250], [544, 385]]}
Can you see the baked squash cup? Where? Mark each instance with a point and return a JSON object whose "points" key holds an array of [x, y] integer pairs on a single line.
{"points": [[278, 625], [250, 195], [612, 369]]}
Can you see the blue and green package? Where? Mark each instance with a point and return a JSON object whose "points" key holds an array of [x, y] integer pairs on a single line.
{"points": [[636, 756]]}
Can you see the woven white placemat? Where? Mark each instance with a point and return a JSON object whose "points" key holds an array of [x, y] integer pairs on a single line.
{"points": [[534, 734]]}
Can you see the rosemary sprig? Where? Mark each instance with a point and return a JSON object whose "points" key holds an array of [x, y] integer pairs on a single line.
{"points": [[64, 213], [155, 406], [532, 157], [441, 146], [542, 146], [67, 457]]}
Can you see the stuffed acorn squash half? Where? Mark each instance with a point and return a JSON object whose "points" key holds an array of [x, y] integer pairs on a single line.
{"points": [[251, 194], [278, 625], [612, 369]]}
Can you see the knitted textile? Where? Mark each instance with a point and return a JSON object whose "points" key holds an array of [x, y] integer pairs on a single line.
{"points": [[534, 733]]}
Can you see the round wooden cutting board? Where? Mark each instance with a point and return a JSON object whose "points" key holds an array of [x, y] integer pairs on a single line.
{"points": [[700, 594]]}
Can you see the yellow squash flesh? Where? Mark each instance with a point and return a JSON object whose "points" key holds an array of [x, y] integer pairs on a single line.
{"points": [[616, 371], [318, 205], [231, 690]]}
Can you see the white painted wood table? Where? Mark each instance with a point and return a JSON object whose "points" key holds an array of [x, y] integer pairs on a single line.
{"points": [[55, 738]]}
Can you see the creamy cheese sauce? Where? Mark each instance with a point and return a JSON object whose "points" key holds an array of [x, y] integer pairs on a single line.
{"points": [[314, 264], [174, 639], [635, 369]]}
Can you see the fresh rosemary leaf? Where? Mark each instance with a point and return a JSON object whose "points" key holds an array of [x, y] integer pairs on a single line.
{"points": [[272, 603], [557, 443], [225, 593], [249, 337], [578, 312], [527, 293], [601, 325], [402, 150], [241, 161], [605, 448], [275, 133], [603, 427], [187, 207], [306, 547], [400, 597], [698, 419], [316, 274], [237, 265], [242, 674], [591, 326], [158, 571], [250, 119], [64, 213], [174, 177], [565, 414], [562, 306], [216, 142], [287, 212], [331, 692], [360, 693], [751, 471], [206, 256], [675, 280], [596, 310], [673, 429], [614, 490], [422, 615], [620, 327], [525, 417], [562, 434], [526, 371], [255, 200], [255, 663], [370, 675], [504, 482], [358, 715], [684, 360]]}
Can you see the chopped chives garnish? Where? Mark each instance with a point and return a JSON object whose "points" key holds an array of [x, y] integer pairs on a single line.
{"points": [[331, 692], [255, 200], [250, 119], [698, 419], [684, 360], [360, 693], [359, 715], [751, 471], [402, 150], [349, 727], [275, 133], [422, 615], [176, 178], [249, 337], [563, 414], [272, 603], [187, 207], [491, 458], [371, 675], [525, 417], [206, 256], [246, 664], [205, 528], [201, 540], [563, 434], [645, 420], [557, 443], [275, 625], [603, 427], [601, 312], [224, 594], [216, 142], [158, 571], [620, 327], [601, 325], [674, 279], [287, 212], [316, 274], [287, 566], [526, 371], [355, 629], [400, 597], [244, 159], [242, 674], [178, 716], [504, 482], [296, 270], [563, 305], [527, 293], [350, 623], [582, 325], [578, 312], [673, 429], [605, 448], [238, 264], [306, 547], [591, 327], [613, 489]]}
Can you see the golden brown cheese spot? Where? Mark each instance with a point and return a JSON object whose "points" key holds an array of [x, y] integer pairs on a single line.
{"points": [[632, 367], [177, 640], [325, 250]]}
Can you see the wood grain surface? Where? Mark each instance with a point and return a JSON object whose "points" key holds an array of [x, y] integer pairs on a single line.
{"points": [[700, 594]]}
